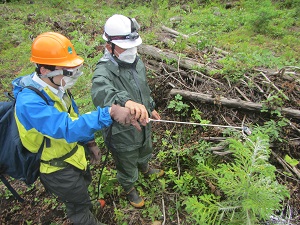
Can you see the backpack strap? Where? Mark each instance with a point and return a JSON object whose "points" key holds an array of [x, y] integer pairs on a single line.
{"points": [[38, 92], [59, 162], [9, 96], [11, 189]]}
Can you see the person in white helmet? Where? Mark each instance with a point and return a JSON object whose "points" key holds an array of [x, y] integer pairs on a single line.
{"points": [[120, 78]]}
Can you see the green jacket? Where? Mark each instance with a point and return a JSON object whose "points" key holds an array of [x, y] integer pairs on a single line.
{"points": [[116, 83]]}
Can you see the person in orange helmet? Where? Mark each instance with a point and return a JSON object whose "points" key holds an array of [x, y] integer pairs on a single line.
{"points": [[58, 127]]}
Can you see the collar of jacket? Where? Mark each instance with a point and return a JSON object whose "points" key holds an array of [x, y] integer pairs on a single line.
{"points": [[115, 68], [109, 57]]}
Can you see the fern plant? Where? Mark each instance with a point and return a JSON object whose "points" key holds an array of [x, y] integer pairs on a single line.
{"points": [[178, 105], [250, 192]]}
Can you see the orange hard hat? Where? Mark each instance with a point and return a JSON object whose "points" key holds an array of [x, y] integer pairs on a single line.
{"points": [[54, 49]]}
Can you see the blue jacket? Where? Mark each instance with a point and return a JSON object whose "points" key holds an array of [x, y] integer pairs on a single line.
{"points": [[35, 119]]}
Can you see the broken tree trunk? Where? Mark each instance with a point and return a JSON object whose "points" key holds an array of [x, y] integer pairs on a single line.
{"points": [[235, 103]]}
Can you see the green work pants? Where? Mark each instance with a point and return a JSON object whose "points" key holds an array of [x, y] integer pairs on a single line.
{"points": [[128, 163]]}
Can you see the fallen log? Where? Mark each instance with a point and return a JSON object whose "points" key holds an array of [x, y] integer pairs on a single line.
{"points": [[183, 62], [234, 103]]}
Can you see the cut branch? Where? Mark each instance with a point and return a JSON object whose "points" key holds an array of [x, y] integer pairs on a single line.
{"points": [[289, 168], [279, 91], [176, 33], [160, 55]]}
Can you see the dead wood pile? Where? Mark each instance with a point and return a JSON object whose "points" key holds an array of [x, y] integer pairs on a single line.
{"points": [[191, 75]]}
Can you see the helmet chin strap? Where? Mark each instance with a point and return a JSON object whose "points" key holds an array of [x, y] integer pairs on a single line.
{"points": [[112, 48], [51, 79]]}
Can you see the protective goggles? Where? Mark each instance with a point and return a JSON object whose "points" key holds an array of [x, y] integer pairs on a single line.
{"points": [[132, 36], [69, 72]]}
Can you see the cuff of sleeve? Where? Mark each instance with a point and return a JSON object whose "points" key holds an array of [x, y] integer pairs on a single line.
{"points": [[123, 101], [152, 106]]}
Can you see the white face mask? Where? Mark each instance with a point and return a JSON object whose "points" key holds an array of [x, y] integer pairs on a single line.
{"points": [[70, 80], [128, 55]]}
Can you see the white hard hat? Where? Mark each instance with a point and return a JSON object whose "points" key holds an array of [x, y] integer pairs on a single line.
{"points": [[122, 31]]}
